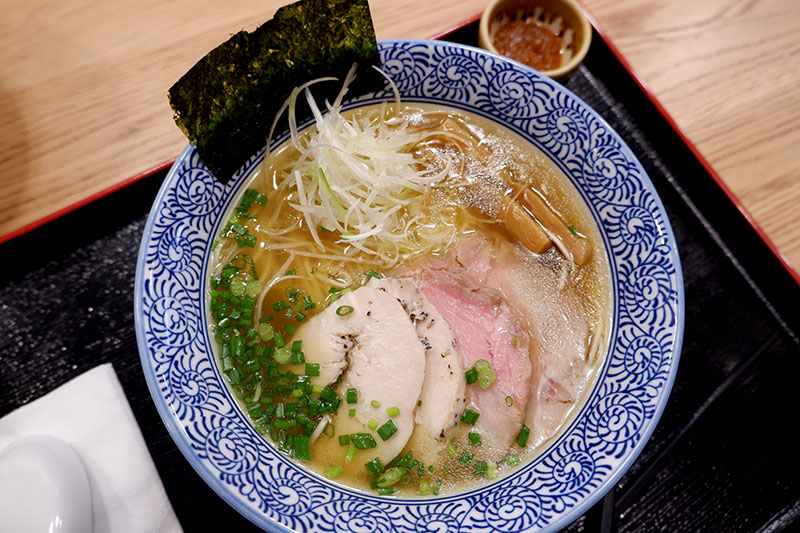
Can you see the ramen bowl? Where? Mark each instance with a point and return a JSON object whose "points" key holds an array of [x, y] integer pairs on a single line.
{"points": [[577, 467]]}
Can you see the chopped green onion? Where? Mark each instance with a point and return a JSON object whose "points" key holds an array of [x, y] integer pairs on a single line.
{"points": [[343, 310], [265, 331], [333, 472], [471, 376], [352, 396], [282, 355], [486, 379], [393, 411], [451, 449], [372, 424], [254, 410], [235, 376], [372, 274], [480, 468], [572, 229], [524, 433], [374, 466], [509, 401], [312, 369], [512, 460], [391, 476], [278, 340], [482, 364], [344, 440], [425, 487], [329, 395], [350, 454], [352, 413], [466, 458], [469, 417], [249, 196], [363, 441], [302, 447], [474, 438], [386, 491], [237, 346], [375, 403], [253, 289], [387, 430]]}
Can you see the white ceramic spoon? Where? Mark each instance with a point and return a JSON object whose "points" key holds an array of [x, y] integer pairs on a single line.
{"points": [[43, 488]]}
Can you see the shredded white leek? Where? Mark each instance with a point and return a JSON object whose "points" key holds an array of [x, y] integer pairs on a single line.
{"points": [[320, 428], [356, 176], [278, 276], [598, 340]]}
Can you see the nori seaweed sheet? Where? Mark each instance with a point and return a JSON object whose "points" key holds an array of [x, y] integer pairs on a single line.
{"points": [[226, 103]]}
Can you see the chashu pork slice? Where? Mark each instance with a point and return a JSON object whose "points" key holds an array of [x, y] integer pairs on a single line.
{"points": [[556, 319], [374, 349], [484, 327], [443, 392]]}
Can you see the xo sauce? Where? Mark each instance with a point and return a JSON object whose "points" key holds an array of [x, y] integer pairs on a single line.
{"points": [[530, 43]]}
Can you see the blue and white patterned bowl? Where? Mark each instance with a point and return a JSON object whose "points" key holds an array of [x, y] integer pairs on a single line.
{"points": [[548, 493]]}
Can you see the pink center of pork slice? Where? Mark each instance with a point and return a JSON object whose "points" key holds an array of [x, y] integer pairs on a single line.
{"points": [[485, 327]]}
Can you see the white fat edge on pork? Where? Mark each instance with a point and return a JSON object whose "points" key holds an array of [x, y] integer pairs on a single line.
{"points": [[375, 350], [555, 318], [443, 392]]}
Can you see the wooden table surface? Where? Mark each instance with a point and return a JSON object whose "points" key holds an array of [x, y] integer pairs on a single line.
{"points": [[83, 85]]}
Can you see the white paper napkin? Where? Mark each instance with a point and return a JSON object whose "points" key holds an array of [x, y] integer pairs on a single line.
{"points": [[91, 413]]}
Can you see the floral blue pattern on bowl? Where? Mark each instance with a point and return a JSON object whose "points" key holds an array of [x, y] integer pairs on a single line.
{"points": [[548, 493]]}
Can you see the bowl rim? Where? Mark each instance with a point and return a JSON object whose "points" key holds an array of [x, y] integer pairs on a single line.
{"points": [[561, 73], [259, 518]]}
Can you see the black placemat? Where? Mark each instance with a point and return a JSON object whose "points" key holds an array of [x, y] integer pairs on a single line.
{"points": [[723, 457]]}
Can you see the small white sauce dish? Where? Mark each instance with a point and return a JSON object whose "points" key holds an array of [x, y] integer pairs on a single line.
{"points": [[43, 487]]}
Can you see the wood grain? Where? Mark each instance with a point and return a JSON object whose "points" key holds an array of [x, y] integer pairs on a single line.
{"points": [[83, 85], [728, 72]]}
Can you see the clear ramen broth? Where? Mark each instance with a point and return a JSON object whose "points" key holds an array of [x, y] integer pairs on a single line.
{"points": [[441, 204]]}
